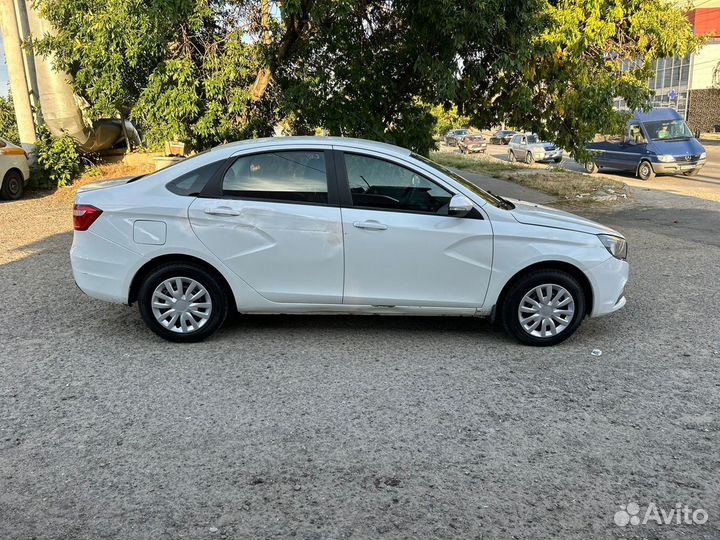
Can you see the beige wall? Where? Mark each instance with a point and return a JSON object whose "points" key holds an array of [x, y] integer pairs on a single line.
{"points": [[704, 64]]}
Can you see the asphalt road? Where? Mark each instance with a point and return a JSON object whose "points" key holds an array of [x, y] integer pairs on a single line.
{"points": [[359, 427], [706, 184]]}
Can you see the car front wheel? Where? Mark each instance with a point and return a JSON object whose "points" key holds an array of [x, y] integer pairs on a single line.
{"points": [[13, 186], [511, 156], [543, 307], [529, 159], [182, 302], [645, 171]]}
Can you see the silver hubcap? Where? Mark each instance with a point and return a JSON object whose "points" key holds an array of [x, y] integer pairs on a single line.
{"points": [[181, 305], [546, 310]]}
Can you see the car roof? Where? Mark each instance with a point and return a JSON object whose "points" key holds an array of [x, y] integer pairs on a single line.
{"points": [[270, 142], [657, 114]]}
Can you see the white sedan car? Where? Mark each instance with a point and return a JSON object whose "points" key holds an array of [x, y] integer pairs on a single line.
{"points": [[336, 225], [14, 170]]}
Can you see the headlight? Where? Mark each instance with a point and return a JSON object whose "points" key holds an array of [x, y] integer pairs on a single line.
{"points": [[615, 245], [666, 158], [703, 155]]}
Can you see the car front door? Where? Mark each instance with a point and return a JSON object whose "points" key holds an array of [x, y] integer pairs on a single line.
{"points": [[634, 150], [274, 220], [401, 246]]}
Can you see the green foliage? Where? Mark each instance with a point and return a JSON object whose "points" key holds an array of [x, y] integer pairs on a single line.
{"points": [[447, 119], [208, 71], [58, 161], [8, 123]]}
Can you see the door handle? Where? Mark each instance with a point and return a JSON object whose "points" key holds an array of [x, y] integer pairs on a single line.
{"points": [[372, 225], [222, 211]]}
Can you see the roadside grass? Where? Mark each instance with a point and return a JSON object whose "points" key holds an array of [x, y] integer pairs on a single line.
{"points": [[565, 185], [106, 171]]}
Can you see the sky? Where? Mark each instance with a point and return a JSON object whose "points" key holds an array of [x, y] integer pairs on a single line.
{"points": [[4, 85]]}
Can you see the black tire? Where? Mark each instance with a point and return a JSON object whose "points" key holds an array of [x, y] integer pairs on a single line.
{"points": [[591, 167], [645, 171], [557, 159], [215, 289], [529, 159], [511, 156], [13, 186], [510, 307]]}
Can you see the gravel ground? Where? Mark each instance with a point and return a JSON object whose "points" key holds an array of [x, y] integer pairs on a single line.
{"points": [[359, 427]]}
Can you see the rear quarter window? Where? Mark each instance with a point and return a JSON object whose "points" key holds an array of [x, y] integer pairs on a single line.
{"points": [[193, 182]]}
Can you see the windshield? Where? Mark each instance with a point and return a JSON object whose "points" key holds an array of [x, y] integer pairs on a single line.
{"points": [[532, 139], [488, 197], [668, 130]]}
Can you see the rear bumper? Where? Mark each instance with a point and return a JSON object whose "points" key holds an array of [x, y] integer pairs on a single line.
{"points": [[608, 281], [100, 267]]}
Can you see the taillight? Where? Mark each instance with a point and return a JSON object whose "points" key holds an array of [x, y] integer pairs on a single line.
{"points": [[84, 215]]}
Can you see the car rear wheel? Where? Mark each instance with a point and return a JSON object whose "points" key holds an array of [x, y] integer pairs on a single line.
{"points": [[13, 186], [591, 167], [529, 159], [543, 307], [645, 171], [182, 302]]}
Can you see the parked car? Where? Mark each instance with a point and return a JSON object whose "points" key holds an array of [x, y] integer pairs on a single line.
{"points": [[14, 170], [658, 142], [336, 225], [454, 135], [472, 143], [528, 148], [502, 137]]}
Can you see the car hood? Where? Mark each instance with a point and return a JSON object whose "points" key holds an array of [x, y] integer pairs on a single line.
{"points": [[542, 146], [684, 147], [544, 216]]}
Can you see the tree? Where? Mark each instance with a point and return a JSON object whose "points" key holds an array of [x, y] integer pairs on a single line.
{"points": [[8, 123], [208, 71]]}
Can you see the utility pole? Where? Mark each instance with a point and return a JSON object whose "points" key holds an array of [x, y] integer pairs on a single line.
{"points": [[15, 58]]}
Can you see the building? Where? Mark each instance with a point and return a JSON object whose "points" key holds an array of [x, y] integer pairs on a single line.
{"points": [[691, 85]]}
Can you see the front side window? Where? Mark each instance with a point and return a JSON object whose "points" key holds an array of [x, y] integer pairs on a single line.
{"points": [[292, 176], [379, 184], [636, 135]]}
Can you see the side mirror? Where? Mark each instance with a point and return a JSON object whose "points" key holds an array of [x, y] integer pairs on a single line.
{"points": [[459, 206]]}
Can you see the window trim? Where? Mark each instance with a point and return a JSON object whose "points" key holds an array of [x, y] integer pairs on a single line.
{"points": [[213, 189], [346, 195]]}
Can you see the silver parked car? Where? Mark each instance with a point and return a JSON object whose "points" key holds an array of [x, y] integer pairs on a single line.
{"points": [[454, 135], [529, 148]]}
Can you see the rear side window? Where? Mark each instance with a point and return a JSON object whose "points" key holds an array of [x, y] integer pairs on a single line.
{"points": [[193, 182], [293, 176]]}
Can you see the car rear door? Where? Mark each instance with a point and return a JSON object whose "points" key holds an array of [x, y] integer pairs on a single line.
{"points": [[272, 217], [401, 246]]}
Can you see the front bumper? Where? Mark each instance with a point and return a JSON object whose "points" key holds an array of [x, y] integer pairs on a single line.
{"points": [[550, 155], [608, 281], [676, 167], [474, 149]]}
